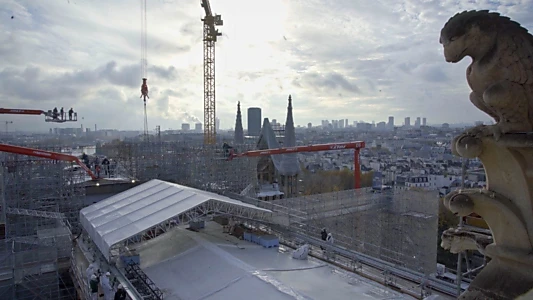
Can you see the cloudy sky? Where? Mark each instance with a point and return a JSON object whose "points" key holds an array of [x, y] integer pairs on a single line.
{"points": [[354, 59]]}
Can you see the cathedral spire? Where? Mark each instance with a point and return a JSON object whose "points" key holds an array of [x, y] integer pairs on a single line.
{"points": [[239, 133], [290, 135]]}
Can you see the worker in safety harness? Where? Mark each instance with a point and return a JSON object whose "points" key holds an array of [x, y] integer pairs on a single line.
{"points": [[70, 113], [105, 165], [106, 286], [85, 159], [93, 287], [324, 236], [120, 294], [227, 149], [329, 248], [91, 270]]}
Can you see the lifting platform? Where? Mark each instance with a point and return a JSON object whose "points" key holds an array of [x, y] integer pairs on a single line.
{"points": [[49, 116]]}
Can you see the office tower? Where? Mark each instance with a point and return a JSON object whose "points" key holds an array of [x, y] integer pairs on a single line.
{"points": [[424, 122], [417, 122], [254, 121], [390, 124], [407, 121]]}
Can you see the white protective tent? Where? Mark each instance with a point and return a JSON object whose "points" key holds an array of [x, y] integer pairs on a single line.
{"points": [[139, 209]]}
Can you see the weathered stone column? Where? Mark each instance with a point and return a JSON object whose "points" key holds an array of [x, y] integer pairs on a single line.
{"points": [[506, 206]]}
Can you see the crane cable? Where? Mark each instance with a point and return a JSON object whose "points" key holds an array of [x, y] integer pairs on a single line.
{"points": [[144, 47], [144, 63]]}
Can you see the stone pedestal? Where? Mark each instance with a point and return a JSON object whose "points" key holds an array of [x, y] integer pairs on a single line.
{"points": [[506, 206]]}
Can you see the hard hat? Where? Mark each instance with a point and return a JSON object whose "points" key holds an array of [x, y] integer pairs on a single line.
{"points": [[107, 274], [120, 286], [93, 276]]}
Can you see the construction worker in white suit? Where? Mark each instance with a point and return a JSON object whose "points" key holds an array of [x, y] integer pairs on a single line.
{"points": [[106, 286]]}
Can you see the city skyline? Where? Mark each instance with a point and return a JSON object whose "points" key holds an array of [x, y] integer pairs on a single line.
{"points": [[193, 128], [355, 59]]}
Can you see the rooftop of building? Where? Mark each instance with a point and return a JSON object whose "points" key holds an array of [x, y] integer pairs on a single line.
{"points": [[214, 265]]}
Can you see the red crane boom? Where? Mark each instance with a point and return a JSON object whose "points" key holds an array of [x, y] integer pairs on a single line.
{"points": [[46, 154], [49, 115], [13, 111], [357, 146]]}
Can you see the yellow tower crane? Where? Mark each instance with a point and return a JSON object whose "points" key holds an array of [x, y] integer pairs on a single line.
{"points": [[210, 37]]}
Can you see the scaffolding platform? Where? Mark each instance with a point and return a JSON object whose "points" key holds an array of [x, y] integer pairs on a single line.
{"points": [[40, 208]]}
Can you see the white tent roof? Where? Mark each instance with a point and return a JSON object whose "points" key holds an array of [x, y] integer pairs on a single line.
{"points": [[131, 212]]}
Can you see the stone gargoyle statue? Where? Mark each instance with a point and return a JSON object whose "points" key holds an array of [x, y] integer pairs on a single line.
{"points": [[501, 72], [458, 240], [501, 79]]}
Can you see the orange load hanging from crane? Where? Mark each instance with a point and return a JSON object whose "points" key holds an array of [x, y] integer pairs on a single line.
{"points": [[144, 90]]}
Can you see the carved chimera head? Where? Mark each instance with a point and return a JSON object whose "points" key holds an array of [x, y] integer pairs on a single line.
{"points": [[472, 33]]}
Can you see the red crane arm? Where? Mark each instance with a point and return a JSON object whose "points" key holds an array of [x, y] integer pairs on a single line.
{"points": [[14, 111], [49, 115], [310, 148], [358, 145], [46, 154]]}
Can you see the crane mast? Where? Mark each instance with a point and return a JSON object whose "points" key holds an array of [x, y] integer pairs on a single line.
{"points": [[210, 38]]}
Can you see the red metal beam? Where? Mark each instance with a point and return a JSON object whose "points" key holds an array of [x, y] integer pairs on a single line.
{"points": [[14, 111], [357, 146], [49, 117], [356, 169], [46, 154]]}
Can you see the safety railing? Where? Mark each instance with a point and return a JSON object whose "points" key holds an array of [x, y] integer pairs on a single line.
{"points": [[142, 283]]}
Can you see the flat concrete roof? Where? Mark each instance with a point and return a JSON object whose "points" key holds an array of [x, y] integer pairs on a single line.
{"points": [[212, 265]]}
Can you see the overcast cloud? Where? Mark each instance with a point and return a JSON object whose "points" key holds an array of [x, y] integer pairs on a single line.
{"points": [[354, 59]]}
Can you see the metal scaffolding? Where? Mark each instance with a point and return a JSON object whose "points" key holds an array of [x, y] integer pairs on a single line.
{"points": [[398, 225], [200, 166], [41, 200]]}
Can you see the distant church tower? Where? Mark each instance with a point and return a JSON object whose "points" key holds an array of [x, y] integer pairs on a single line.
{"points": [[289, 183], [239, 134]]}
